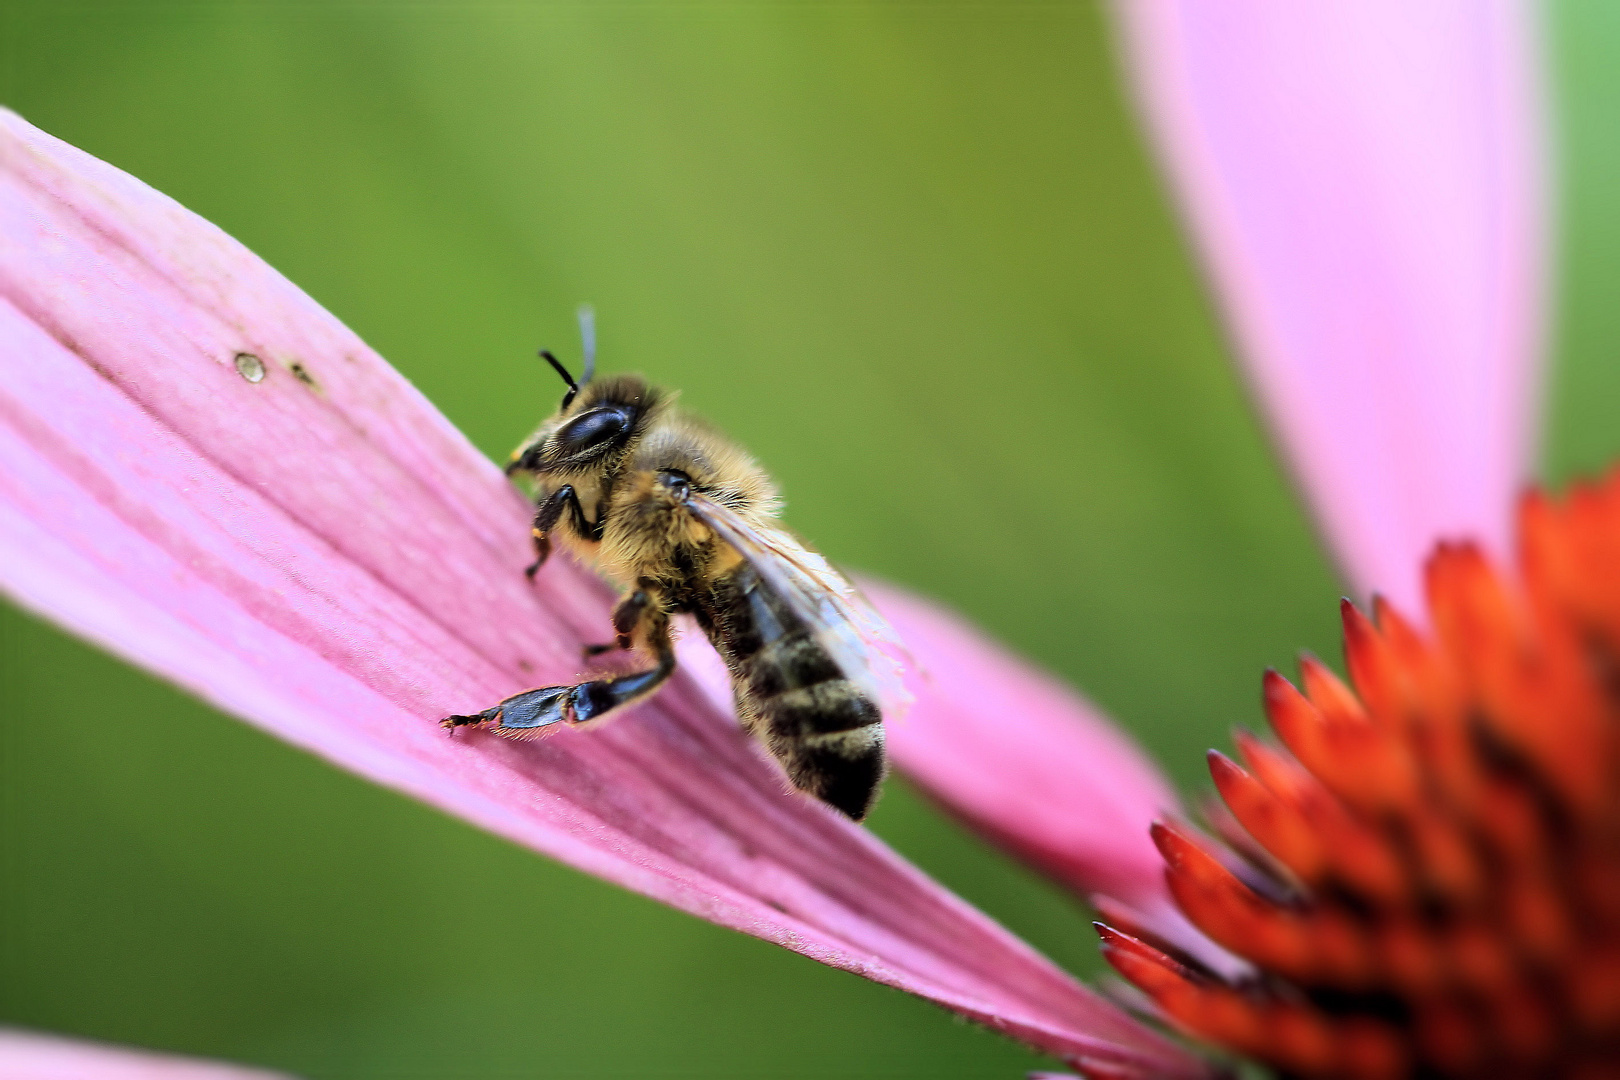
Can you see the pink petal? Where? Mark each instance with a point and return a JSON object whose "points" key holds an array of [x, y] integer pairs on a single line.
{"points": [[320, 553], [1036, 769], [26, 1055], [1023, 759], [1365, 181]]}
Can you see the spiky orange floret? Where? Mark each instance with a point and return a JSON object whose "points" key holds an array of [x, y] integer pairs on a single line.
{"points": [[1425, 873]]}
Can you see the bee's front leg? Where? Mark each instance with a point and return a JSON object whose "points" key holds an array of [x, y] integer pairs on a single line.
{"points": [[527, 713], [546, 517]]}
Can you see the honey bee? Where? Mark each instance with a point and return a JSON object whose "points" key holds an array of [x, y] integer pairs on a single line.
{"points": [[685, 521]]}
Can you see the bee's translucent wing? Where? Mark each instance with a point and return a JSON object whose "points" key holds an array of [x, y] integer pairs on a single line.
{"points": [[861, 643]]}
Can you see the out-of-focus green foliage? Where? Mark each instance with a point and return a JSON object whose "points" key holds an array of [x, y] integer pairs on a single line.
{"points": [[915, 256], [1582, 433]]}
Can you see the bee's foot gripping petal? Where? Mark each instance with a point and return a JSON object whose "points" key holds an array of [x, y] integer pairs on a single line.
{"points": [[450, 723]]}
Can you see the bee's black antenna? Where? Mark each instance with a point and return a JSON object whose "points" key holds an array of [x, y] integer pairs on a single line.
{"points": [[587, 340], [573, 387]]}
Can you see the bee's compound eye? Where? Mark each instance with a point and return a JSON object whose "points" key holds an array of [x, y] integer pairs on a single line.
{"points": [[593, 429]]}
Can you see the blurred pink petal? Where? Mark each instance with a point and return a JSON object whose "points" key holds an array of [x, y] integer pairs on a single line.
{"points": [[1035, 768], [206, 473], [27, 1055], [1365, 182]]}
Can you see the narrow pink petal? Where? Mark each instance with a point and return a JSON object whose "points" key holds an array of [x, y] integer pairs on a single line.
{"points": [[1365, 180], [1024, 760], [320, 553], [28, 1055], [1030, 765]]}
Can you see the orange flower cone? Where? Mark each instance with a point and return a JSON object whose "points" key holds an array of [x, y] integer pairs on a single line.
{"points": [[1424, 869]]}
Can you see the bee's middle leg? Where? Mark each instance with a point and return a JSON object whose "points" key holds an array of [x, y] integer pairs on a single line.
{"points": [[639, 613], [595, 699], [627, 615]]}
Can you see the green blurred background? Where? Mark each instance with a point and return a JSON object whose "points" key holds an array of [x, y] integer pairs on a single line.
{"points": [[913, 255]]}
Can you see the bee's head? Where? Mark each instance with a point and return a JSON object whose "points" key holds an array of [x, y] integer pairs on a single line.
{"points": [[594, 425]]}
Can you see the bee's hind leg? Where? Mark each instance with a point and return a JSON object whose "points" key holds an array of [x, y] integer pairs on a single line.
{"points": [[533, 710], [595, 699], [527, 712]]}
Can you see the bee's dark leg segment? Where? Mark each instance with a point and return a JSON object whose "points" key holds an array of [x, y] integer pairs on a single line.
{"points": [[628, 614], [528, 711], [546, 517], [569, 499], [542, 551], [550, 510], [595, 699]]}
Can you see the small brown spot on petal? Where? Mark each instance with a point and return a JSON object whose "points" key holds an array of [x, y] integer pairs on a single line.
{"points": [[301, 373], [250, 367]]}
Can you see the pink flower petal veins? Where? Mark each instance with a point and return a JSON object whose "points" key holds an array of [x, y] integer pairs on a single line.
{"points": [[319, 552], [27, 1055], [1365, 181]]}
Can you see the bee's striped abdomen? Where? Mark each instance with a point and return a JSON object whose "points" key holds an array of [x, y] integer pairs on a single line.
{"points": [[791, 694]]}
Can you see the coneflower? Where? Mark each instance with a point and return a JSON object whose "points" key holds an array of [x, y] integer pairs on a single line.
{"points": [[1420, 880], [1425, 873]]}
